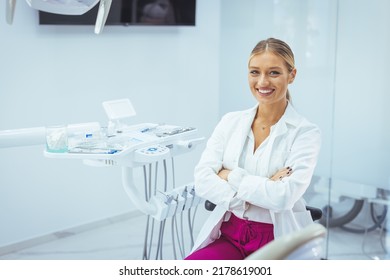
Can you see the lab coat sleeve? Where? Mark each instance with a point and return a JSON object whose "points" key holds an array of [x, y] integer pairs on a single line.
{"points": [[282, 195], [235, 177], [207, 183]]}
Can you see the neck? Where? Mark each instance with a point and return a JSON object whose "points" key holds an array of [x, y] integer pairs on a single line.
{"points": [[270, 113]]}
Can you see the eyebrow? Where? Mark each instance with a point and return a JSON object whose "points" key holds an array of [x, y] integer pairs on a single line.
{"points": [[271, 68]]}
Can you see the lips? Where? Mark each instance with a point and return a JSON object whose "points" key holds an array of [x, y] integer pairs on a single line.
{"points": [[265, 91]]}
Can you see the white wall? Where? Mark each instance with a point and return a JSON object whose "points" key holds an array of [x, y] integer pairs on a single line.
{"points": [[61, 74]]}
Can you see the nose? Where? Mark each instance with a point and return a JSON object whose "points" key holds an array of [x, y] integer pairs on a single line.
{"points": [[262, 81]]}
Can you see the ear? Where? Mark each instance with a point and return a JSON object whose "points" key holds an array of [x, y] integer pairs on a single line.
{"points": [[292, 75]]}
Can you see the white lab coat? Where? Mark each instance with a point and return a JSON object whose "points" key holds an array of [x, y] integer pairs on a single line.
{"points": [[293, 142]]}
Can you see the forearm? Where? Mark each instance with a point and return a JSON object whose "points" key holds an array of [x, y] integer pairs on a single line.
{"points": [[235, 178], [211, 187]]}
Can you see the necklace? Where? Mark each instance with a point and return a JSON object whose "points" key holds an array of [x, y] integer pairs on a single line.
{"points": [[263, 127]]}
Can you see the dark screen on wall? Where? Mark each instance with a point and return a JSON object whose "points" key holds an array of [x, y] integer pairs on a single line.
{"points": [[132, 12]]}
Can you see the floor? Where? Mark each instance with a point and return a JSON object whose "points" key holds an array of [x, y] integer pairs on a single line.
{"points": [[124, 240]]}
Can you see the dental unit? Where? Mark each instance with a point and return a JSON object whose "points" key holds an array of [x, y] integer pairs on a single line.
{"points": [[145, 147]]}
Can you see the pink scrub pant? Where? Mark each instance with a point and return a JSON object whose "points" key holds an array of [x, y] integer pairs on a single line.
{"points": [[239, 238]]}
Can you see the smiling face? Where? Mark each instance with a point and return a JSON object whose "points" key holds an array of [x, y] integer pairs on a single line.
{"points": [[269, 78]]}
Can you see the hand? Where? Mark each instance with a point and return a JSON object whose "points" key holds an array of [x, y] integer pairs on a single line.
{"points": [[282, 173], [223, 174]]}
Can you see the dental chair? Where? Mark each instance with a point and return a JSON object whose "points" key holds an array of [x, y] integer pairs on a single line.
{"points": [[304, 244]]}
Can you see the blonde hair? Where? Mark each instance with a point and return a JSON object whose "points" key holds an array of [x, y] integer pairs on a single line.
{"points": [[279, 48]]}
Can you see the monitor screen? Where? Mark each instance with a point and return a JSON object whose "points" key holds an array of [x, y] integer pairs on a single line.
{"points": [[132, 12]]}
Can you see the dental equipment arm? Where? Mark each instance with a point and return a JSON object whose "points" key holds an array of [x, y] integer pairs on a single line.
{"points": [[22, 137], [188, 144], [104, 9], [134, 195]]}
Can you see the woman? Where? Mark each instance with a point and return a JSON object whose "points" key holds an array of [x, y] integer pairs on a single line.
{"points": [[257, 164]]}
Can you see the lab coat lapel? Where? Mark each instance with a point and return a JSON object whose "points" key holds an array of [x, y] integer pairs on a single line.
{"points": [[291, 117], [242, 130]]}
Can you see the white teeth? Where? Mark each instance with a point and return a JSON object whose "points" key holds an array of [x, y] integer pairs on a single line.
{"points": [[265, 91]]}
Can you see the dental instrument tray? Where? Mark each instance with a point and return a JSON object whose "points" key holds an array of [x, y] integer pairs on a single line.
{"points": [[119, 146]]}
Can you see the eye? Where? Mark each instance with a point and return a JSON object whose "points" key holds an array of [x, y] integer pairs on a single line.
{"points": [[254, 72], [274, 73]]}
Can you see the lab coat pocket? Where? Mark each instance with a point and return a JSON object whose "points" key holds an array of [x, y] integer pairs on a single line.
{"points": [[288, 221]]}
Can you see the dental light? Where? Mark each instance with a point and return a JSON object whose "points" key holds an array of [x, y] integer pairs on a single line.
{"points": [[65, 7]]}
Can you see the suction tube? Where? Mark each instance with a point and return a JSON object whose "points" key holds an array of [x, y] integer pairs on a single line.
{"points": [[134, 195]]}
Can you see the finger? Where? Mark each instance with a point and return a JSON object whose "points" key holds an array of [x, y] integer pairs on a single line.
{"points": [[288, 170], [284, 173]]}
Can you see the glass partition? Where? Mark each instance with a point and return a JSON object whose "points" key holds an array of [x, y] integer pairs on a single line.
{"points": [[341, 57]]}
